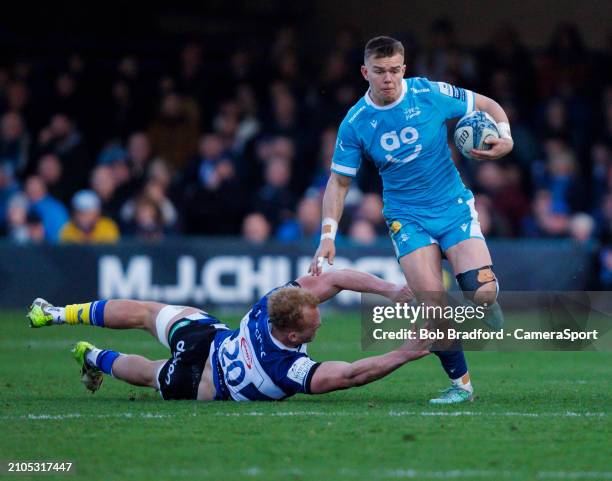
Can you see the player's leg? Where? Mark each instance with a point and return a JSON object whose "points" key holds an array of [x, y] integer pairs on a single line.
{"points": [[154, 317], [466, 250], [471, 262], [133, 369], [423, 271], [137, 370], [113, 314]]}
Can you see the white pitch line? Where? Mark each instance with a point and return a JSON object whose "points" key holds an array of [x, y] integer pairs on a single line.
{"points": [[408, 473], [128, 415], [66, 344], [450, 474], [599, 475], [399, 473], [564, 414], [493, 474], [568, 414], [35, 417]]}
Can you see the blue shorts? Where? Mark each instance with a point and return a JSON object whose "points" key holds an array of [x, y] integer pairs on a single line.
{"points": [[446, 225]]}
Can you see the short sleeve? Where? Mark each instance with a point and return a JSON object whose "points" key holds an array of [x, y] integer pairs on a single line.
{"points": [[295, 373], [347, 154], [452, 101]]}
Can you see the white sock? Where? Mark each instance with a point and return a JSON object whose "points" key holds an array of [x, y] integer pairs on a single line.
{"points": [[92, 356], [58, 313], [464, 382]]}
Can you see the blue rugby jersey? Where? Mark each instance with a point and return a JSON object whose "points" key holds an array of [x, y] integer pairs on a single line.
{"points": [[251, 365], [407, 141]]}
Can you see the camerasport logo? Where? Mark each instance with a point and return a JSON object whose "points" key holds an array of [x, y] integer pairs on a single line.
{"points": [[244, 347]]}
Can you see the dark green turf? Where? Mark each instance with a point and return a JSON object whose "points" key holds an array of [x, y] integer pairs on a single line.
{"points": [[537, 416]]}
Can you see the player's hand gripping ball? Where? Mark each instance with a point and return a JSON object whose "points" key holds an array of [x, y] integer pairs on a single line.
{"points": [[472, 131]]}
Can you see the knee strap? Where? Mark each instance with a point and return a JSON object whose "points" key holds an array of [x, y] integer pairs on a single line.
{"points": [[471, 281]]}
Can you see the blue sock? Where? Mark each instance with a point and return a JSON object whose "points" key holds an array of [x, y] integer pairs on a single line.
{"points": [[97, 313], [453, 362], [105, 361]]}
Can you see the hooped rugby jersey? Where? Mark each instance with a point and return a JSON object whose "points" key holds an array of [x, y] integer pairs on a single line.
{"points": [[407, 141], [251, 365]]}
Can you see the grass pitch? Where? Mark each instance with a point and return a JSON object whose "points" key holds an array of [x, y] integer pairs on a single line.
{"points": [[536, 416]]}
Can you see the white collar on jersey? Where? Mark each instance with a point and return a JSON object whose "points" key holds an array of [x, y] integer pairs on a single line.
{"points": [[369, 101], [279, 344]]}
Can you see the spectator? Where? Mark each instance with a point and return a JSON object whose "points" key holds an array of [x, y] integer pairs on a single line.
{"points": [[129, 170], [212, 165], [154, 192], [581, 227], [123, 116], [362, 232], [370, 210], [250, 125], [8, 188], [564, 63], [567, 191], [66, 97], [256, 228], [14, 142], [505, 200], [147, 223], [191, 78], [87, 226], [545, 221], [492, 224], [526, 144], [307, 225], [52, 212], [601, 162], [174, 133], [104, 185], [605, 219], [275, 199], [139, 153], [506, 53], [19, 102], [62, 138], [326, 152], [443, 59], [213, 202], [605, 260], [50, 171], [159, 172], [35, 228], [16, 219]]}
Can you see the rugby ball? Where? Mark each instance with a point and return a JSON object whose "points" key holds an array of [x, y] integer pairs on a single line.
{"points": [[472, 131]]}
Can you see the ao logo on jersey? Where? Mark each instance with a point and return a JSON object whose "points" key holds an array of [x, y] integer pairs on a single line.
{"points": [[391, 141]]}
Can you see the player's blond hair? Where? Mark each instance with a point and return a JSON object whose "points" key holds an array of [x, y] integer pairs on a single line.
{"points": [[285, 307]]}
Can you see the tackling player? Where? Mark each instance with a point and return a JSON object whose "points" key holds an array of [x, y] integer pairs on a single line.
{"points": [[264, 359], [400, 125]]}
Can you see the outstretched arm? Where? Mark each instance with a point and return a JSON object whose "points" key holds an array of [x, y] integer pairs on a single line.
{"points": [[336, 375], [328, 284], [333, 205]]}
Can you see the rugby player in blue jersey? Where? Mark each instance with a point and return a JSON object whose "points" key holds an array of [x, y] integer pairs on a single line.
{"points": [[400, 125], [264, 359]]}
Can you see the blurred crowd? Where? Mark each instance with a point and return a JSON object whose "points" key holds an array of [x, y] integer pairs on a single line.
{"points": [[97, 149]]}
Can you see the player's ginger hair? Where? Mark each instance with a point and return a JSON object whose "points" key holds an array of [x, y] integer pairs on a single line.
{"points": [[285, 307]]}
